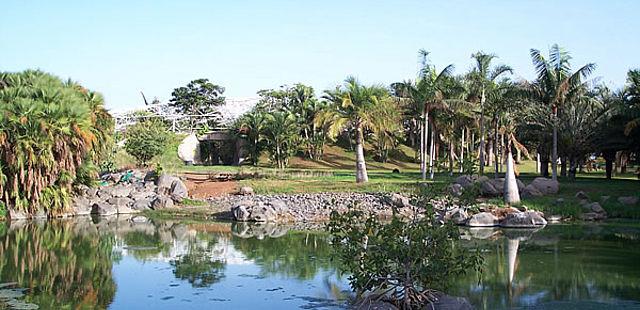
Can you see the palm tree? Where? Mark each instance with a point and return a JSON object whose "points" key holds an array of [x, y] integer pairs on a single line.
{"points": [[352, 109], [424, 95], [482, 80], [251, 126], [281, 135], [555, 85], [632, 100]]}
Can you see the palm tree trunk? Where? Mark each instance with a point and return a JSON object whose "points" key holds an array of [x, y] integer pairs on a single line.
{"points": [[482, 100], [554, 154], [563, 166], [432, 152], [423, 153], [496, 165], [462, 149], [361, 166]]}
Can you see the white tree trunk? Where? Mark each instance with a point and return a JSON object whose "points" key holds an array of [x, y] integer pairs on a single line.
{"points": [[554, 155], [462, 150], [512, 255], [537, 163], [432, 153], [511, 192], [361, 166]]}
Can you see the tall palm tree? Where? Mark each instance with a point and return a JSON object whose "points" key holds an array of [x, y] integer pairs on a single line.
{"points": [[352, 109], [425, 94], [632, 100], [556, 84], [281, 136], [483, 80]]}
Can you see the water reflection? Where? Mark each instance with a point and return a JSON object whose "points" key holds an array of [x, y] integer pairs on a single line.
{"points": [[134, 262]]}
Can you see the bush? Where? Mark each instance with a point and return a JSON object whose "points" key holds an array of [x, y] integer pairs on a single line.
{"points": [[146, 140], [402, 262]]}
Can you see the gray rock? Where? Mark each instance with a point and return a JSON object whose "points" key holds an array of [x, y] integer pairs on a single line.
{"points": [[581, 195], [531, 191], [240, 213], [398, 201], [127, 210], [488, 188], [459, 217], [178, 190], [105, 192], [278, 205], [521, 185], [456, 189], [103, 209], [555, 218], [121, 190], [464, 180], [446, 302], [81, 205], [546, 186], [482, 219], [593, 216], [528, 219], [120, 201], [628, 200], [594, 207], [162, 202], [164, 183], [142, 204], [141, 194], [246, 191], [91, 192], [263, 213], [139, 219]]}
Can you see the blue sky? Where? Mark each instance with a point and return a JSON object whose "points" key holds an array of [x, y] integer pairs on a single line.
{"points": [[122, 47]]}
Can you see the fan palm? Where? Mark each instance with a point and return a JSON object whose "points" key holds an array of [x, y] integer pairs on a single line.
{"points": [[555, 85]]}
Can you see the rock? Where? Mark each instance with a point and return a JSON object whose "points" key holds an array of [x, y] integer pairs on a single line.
{"points": [[91, 192], [189, 149], [16, 215], [398, 201], [628, 200], [142, 204], [594, 207], [240, 213], [528, 219], [488, 188], [593, 216], [481, 179], [105, 192], [162, 202], [581, 195], [531, 191], [521, 185], [546, 186], [482, 219], [456, 189], [139, 219], [464, 180], [583, 202], [446, 302], [121, 190], [120, 201], [127, 210], [141, 194], [555, 218], [279, 206], [246, 191], [459, 217], [164, 183], [103, 209], [263, 213], [178, 190], [81, 205]]}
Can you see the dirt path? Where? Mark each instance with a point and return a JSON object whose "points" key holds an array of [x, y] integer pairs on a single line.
{"points": [[209, 189]]}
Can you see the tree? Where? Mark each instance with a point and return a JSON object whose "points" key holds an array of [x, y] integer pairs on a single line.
{"points": [[146, 140], [482, 80], [424, 95], [555, 85], [198, 100], [50, 132], [351, 110], [251, 127], [281, 136]]}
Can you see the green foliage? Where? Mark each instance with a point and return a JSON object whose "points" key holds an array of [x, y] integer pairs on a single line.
{"points": [[146, 140], [469, 166], [281, 137], [405, 262], [198, 98], [48, 129], [3, 212]]}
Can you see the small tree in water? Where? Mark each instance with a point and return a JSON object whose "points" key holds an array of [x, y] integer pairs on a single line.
{"points": [[402, 262]]}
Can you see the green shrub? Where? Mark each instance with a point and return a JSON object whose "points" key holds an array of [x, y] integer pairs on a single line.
{"points": [[146, 140], [402, 262]]}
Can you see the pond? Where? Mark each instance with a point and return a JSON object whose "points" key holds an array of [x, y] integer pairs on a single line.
{"points": [[137, 263]]}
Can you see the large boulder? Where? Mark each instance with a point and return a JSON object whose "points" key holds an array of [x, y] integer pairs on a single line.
{"points": [[263, 213], [581, 195], [528, 219], [162, 202], [81, 205], [142, 204], [459, 217], [398, 201], [531, 191], [240, 213], [121, 190], [103, 209], [178, 190], [593, 211], [464, 180], [628, 200], [546, 186], [482, 219], [164, 183], [489, 188], [593, 207], [189, 149], [456, 189]]}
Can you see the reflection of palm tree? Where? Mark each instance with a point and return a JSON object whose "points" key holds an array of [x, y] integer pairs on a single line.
{"points": [[198, 266]]}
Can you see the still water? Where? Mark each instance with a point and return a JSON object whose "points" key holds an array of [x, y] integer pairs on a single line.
{"points": [[136, 263]]}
